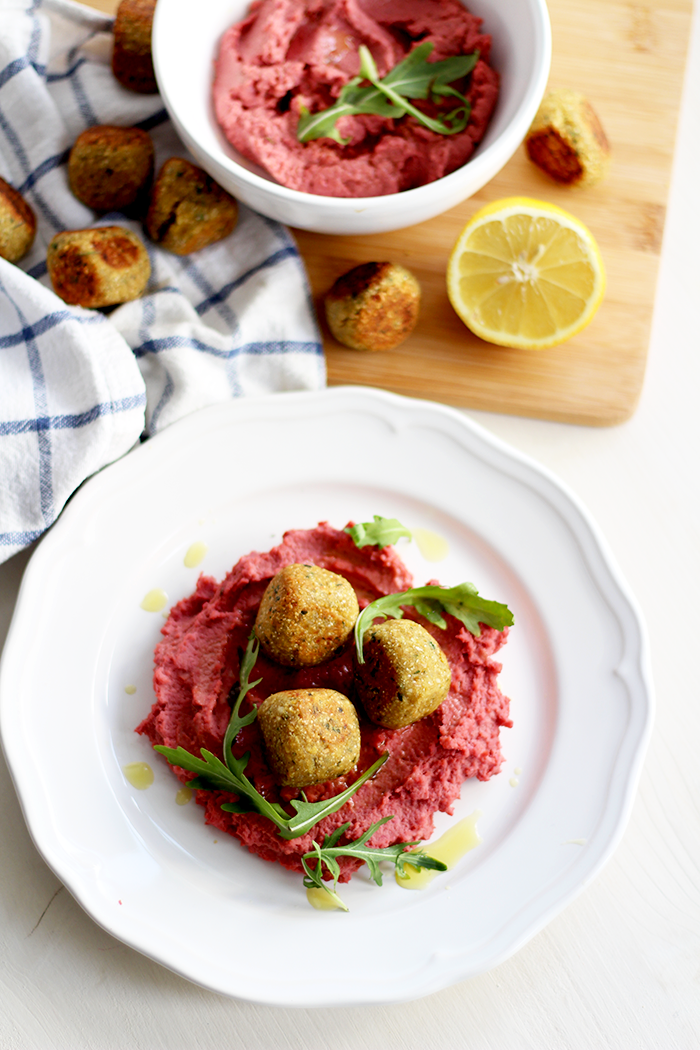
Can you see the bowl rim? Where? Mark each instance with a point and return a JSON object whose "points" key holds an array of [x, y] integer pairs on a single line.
{"points": [[483, 166]]}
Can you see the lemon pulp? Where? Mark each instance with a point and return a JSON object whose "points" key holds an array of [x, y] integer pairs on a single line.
{"points": [[525, 274]]}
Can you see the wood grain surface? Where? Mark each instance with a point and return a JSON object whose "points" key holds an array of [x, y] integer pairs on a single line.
{"points": [[628, 58]]}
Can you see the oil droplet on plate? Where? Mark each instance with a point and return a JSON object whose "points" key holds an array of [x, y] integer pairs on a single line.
{"points": [[318, 898], [431, 546], [195, 554], [513, 782], [184, 795], [155, 600], [130, 689], [139, 774], [449, 848]]}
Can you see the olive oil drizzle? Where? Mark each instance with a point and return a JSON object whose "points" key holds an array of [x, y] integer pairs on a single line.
{"points": [[449, 848], [195, 554], [155, 600], [138, 774]]}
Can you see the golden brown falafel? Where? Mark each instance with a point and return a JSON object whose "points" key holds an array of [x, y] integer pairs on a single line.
{"points": [[405, 675], [311, 735], [188, 209], [111, 168], [17, 223], [98, 267], [132, 62], [566, 140], [306, 615], [374, 306]]}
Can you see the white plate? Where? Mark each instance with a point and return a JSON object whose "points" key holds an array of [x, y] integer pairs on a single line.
{"points": [[236, 476]]}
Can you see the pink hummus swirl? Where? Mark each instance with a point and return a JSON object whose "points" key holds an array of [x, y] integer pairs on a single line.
{"points": [[198, 662], [289, 54]]}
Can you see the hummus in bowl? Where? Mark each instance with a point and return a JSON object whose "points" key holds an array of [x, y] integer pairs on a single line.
{"points": [[296, 60], [185, 56]]}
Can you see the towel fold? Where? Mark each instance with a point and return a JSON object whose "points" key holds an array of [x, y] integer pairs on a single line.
{"points": [[71, 400]]}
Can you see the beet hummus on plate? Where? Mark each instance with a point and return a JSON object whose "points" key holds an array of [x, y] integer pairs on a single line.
{"points": [[198, 667], [288, 57]]}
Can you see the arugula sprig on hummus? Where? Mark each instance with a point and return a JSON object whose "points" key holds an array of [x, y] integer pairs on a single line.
{"points": [[462, 601], [413, 78], [382, 532], [328, 853], [229, 775]]}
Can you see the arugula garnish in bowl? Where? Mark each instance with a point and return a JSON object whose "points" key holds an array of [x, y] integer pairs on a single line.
{"points": [[413, 78]]}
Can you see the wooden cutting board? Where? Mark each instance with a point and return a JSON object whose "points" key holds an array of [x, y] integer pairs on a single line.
{"points": [[629, 59]]}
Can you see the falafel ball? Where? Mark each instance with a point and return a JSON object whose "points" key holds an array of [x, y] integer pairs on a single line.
{"points": [[305, 615], [405, 675], [98, 267], [110, 168], [188, 209], [311, 735], [373, 306], [17, 223], [132, 61], [566, 140]]}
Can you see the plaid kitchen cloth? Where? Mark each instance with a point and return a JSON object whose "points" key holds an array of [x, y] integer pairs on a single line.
{"points": [[78, 388]]}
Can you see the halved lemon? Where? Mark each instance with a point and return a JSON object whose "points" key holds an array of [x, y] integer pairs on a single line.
{"points": [[525, 274]]}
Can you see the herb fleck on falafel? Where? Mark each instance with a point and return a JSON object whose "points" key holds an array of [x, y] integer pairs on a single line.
{"points": [[188, 209], [374, 306], [110, 168], [306, 615], [311, 735], [17, 223], [98, 267], [405, 675]]}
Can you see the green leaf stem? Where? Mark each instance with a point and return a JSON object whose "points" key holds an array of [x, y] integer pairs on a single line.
{"points": [[462, 601], [326, 855], [414, 77]]}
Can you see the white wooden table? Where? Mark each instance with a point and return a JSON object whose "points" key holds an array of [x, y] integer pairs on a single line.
{"points": [[620, 968]]}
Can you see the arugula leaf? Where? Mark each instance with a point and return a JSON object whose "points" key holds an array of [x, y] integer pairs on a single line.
{"points": [[462, 601], [454, 121], [417, 78], [309, 814], [214, 775], [351, 101], [328, 853], [236, 723], [413, 77], [381, 532]]}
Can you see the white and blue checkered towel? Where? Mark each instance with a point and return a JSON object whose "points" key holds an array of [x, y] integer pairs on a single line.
{"points": [[78, 387]]}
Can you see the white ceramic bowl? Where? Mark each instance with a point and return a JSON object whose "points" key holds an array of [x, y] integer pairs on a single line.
{"points": [[185, 42]]}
